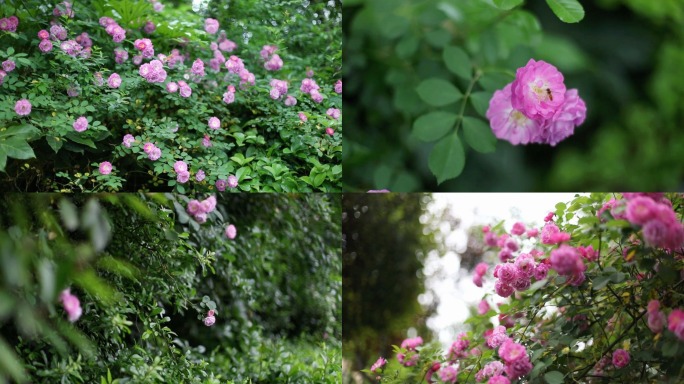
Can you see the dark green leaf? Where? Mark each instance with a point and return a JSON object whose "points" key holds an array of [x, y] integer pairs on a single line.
{"points": [[438, 92], [457, 60], [480, 101], [507, 4], [434, 125], [478, 135], [554, 377], [447, 158], [16, 147], [568, 11]]}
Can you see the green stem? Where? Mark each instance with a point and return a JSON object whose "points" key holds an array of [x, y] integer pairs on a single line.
{"points": [[474, 80]]}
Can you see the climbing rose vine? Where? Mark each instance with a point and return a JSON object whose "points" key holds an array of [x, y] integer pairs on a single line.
{"points": [[596, 294]]}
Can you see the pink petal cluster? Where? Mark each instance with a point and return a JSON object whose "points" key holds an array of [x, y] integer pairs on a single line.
{"points": [[224, 44], [120, 55], [535, 107], [153, 72], [273, 61], [182, 173], [329, 131], [459, 348], [412, 343], [309, 86], [71, 47], [290, 101], [214, 123], [71, 304], [448, 374], [58, 32], [659, 223], [483, 307], [231, 231], [211, 26], [516, 360], [480, 271], [567, 261], [149, 27], [63, 9], [655, 318], [497, 337], [128, 139], [81, 124], [8, 65], [381, 362], [676, 323], [114, 80], [278, 89], [338, 87], [113, 29], [85, 40], [229, 96], [153, 152], [210, 319], [200, 209], [105, 168], [145, 47], [551, 234], [9, 24], [493, 368], [198, 68], [234, 64], [334, 113], [621, 358], [22, 107]]}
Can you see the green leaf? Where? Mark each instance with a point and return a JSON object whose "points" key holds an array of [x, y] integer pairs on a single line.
{"points": [[73, 136], [670, 348], [568, 11], [480, 101], [407, 46], [447, 158], [54, 142], [554, 377], [478, 135], [600, 282], [16, 147], [507, 4], [434, 125], [3, 161], [25, 130], [69, 214], [457, 61], [438, 92]]}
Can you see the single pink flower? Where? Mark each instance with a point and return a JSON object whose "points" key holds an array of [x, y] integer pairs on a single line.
{"points": [[509, 123], [538, 90], [231, 231], [71, 304], [81, 124], [105, 168], [621, 358], [22, 107], [378, 364]]}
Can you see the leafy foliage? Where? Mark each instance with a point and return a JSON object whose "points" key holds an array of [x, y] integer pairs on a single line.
{"points": [[395, 49], [261, 141], [146, 274]]}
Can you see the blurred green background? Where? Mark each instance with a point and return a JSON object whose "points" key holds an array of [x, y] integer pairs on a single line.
{"points": [[625, 58]]}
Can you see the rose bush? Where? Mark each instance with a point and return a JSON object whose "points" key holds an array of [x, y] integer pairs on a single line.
{"points": [[595, 295], [243, 90], [137, 289]]}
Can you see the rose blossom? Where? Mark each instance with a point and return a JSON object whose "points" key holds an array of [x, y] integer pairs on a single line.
{"points": [[231, 231], [22, 107], [81, 124], [378, 364], [114, 80], [105, 168], [620, 358], [71, 304], [538, 90]]}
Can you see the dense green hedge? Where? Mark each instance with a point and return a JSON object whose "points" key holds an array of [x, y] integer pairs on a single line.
{"points": [[146, 273]]}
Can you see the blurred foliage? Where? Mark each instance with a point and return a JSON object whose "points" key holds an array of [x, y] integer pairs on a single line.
{"points": [[384, 244], [633, 93], [146, 275]]}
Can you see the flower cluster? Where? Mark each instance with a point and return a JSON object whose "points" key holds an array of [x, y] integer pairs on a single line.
{"points": [[309, 86], [273, 61], [9, 24], [459, 348], [154, 72], [480, 271], [182, 173], [153, 152], [113, 29], [232, 182], [200, 209], [210, 319], [410, 358], [63, 9], [211, 26], [81, 124], [536, 107], [377, 366], [657, 219], [145, 47], [229, 95], [278, 89]]}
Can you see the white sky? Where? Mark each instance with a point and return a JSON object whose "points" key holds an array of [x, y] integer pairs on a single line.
{"points": [[454, 286]]}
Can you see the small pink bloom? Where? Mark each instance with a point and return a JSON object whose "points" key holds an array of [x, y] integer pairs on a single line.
{"points": [[211, 26], [518, 229], [378, 364], [194, 207], [128, 140], [171, 86], [209, 321], [508, 123], [221, 185], [71, 304], [302, 117], [231, 231], [183, 177], [329, 131], [180, 166], [290, 101], [214, 123], [43, 34], [105, 168], [338, 86], [232, 181], [621, 358], [676, 323], [8, 65], [334, 113], [114, 80], [412, 343], [22, 107], [200, 175], [45, 45], [483, 307], [81, 124]]}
